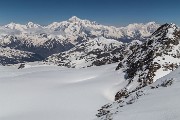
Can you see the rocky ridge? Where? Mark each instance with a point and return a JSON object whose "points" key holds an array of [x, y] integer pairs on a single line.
{"points": [[153, 59]]}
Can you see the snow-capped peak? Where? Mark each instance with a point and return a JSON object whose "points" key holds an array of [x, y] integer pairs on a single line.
{"points": [[166, 31], [151, 23], [32, 25], [74, 19], [15, 26], [10, 25], [76, 27], [20, 27]]}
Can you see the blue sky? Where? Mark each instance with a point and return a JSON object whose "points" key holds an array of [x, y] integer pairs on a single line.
{"points": [[109, 12]]}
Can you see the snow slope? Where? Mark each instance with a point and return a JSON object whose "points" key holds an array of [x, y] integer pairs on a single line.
{"points": [[55, 93], [156, 103], [43, 92]]}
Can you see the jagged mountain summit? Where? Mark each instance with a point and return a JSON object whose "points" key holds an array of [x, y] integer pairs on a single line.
{"points": [[159, 53], [87, 28]]}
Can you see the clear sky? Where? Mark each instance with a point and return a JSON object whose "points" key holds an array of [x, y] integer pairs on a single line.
{"points": [[109, 12]]}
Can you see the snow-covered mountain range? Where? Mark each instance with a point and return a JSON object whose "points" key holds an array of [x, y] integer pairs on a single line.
{"points": [[75, 28], [63, 36], [95, 52], [88, 53]]}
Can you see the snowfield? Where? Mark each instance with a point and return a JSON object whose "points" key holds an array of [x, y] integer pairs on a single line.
{"points": [[42, 92], [55, 93]]}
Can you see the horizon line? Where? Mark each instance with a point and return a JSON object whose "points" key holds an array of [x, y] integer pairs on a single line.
{"points": [[43, 25]]}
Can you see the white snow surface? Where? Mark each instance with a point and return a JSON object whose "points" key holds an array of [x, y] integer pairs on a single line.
{"points": [[55, 93], [171, 31], [46, 92], [157, 104]]}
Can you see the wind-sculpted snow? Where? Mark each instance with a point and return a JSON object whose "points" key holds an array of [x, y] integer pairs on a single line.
{"points": [[50, 92], [42, 92]]}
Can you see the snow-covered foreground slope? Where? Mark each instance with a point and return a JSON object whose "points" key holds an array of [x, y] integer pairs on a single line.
{"points": [[55, 93], [157, 104]]}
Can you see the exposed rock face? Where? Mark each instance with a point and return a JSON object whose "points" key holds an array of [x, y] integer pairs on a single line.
{"points": [[159, 53], [98, 51], [95, 52], [21, 66], [45, 49]]}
